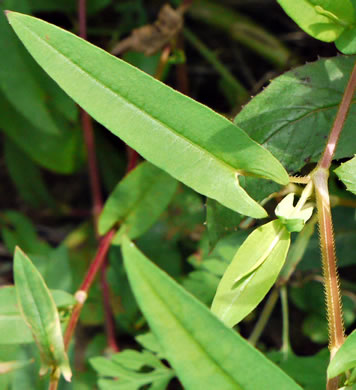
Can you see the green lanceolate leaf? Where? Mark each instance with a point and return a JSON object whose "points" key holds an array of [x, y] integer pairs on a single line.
{"points": [[345, 357], [203, 351], [13, 328], [322, 19], [251, 273], [347, 174], [295, 113], [188, 140], [40, 313], [137, 201]]}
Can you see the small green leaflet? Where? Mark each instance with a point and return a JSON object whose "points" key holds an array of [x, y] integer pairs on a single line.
{"points": [[189, 141], [252, 272], [345, 357], [137, 201], [125, 370], [347, 174], [325, 20], [41, 315], [292, 218]]}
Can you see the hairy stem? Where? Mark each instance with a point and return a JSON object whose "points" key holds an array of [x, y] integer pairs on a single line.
{"points": [[330, 274]]}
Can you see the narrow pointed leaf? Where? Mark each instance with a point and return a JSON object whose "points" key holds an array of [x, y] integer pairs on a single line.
{"points": [[13, 328], [138, 200], [203, 351], [40, 313], [347, 174], [188, 140], [345, 357], [251, 273]]}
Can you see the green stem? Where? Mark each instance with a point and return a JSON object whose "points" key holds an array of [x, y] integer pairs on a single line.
{"points": [[285, 315], [241, 29], [241, 91], [264, 317]]}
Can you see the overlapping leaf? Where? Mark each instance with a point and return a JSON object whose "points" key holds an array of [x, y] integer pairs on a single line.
{"points": [[294, 114], [192, 143], [204, 353], [40, 313], [18, 83], [325, 20], [251, 273], [137, 201], [345, 357], [347, 173]]}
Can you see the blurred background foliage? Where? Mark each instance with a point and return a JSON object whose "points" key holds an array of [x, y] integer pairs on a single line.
{"points": [[227, 52]]}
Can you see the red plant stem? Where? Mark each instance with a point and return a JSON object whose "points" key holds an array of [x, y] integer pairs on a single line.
{"points": [[87, 125], [331, 279], [109, 318], [95, 186], [340, 118], [81, 294], [132, 159], [181, 70]]}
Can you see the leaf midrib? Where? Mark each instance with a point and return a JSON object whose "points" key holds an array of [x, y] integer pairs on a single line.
{"points": [[135, 106], [189, 336]]}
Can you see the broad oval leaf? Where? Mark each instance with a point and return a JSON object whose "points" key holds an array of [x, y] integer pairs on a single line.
{"points": [[40, 313], [188, 140], [252, 272], [345, 357], [346, 42], [203, 351], [137, 201], [347, 174], [322, 19], [293, 116]]}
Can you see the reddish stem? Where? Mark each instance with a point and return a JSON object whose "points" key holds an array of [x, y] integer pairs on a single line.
{"points": [[340, 118], [87, 125], [96, 264], [132, 159], [109, 318], [95, 186]]}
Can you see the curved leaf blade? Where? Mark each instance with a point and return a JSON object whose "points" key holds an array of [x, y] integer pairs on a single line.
{"points": [[322, 19], [188, 140], [252, 272], [137, 201], [40, 313], [203, 351]]}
